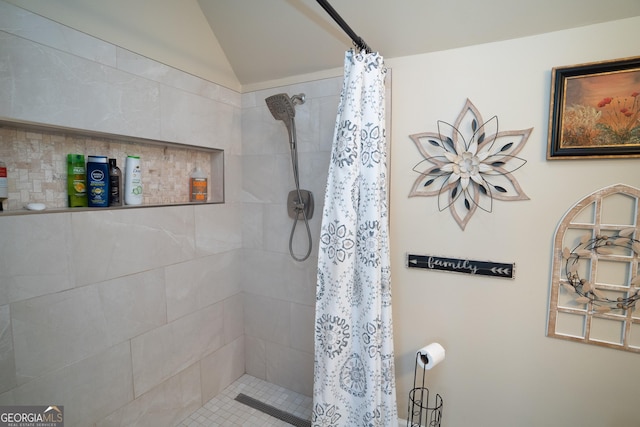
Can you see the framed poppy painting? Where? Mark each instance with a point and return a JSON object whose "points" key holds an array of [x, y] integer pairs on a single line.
{"points": [[595, 110]]}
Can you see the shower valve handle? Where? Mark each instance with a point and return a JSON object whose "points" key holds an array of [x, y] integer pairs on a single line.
{"points": [[298, 208]]}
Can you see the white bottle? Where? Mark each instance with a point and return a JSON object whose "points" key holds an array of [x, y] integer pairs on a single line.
{"points": [[133, 181]]}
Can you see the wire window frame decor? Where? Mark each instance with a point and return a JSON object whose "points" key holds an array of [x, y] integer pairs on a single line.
{"points": [[585, 305], [595, 110]]}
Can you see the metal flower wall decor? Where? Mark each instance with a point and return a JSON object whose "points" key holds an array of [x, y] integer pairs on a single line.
{"points": [[468, 165]]}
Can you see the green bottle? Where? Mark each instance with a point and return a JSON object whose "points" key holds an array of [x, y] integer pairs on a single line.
{"points": [[76, 181]]}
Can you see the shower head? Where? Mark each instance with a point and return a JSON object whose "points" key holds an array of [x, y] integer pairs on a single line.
{"points": [[282, 106]]}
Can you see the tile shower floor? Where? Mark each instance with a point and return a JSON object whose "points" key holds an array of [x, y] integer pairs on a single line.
{"points": [[224, 411]]}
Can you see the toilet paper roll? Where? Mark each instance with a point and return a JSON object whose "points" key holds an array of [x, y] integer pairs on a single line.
{"points": [[430, 355]]}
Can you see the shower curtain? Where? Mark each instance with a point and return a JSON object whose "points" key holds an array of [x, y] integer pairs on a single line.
{"points": [[354, 379]]}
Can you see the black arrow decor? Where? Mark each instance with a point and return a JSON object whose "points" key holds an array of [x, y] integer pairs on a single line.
{"points": [[466, 266]]}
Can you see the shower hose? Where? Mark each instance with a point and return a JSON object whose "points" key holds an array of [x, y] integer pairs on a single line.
{"points": [[300, 207]]}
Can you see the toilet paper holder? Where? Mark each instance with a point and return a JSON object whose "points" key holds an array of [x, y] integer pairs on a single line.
{"points": [[423, 410]]}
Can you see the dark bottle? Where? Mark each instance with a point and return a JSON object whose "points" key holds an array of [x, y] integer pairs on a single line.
{"points": [[115, 184]]}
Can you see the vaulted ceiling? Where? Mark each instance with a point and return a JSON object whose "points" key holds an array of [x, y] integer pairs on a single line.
{"points": [[270, 40]]}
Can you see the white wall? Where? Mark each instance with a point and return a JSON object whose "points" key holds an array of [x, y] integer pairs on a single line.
{"points": [[500, 369]]}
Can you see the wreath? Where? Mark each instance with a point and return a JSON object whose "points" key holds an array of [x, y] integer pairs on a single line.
{"points": [[587, 291]]}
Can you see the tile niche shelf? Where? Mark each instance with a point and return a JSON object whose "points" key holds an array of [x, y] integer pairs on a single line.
{"points": [[36, 158]]}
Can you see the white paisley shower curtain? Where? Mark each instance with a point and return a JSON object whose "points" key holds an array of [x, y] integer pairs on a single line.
{"points": [[354, 379]]}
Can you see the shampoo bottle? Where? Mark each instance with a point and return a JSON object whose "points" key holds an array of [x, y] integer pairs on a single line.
{"points": [[98, 181], [133, 181], [198, 186], [76, 181], [115, 184]]}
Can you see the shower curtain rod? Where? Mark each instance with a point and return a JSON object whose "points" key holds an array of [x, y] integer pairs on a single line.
{"points": [[357, 40]]}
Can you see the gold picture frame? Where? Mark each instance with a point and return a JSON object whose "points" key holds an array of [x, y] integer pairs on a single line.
{"points": [[595, 110]]}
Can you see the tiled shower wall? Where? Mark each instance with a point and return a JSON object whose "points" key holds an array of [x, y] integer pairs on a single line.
{"points": [[280, 293], [139, 316], [279, 306], [125, 317]]}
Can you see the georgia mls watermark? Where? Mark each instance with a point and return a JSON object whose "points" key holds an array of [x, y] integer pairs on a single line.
{"points": [[32, 416]]}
